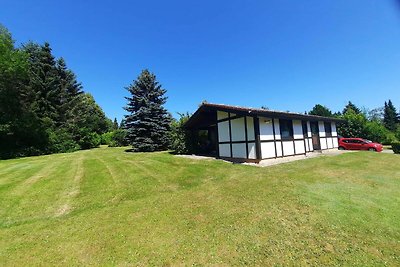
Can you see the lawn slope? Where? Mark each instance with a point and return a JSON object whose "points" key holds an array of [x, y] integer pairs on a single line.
{"points": [[109, 207]]}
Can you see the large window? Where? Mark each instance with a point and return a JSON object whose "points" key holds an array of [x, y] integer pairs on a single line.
{"points": [[328, 129], [286, 129]]}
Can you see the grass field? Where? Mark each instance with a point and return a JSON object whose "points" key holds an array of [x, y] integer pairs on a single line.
{"points": [[109, 207]]}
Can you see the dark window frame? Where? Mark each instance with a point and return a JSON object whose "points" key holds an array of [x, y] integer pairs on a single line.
{"points": [[305, 128], [288, 124], [328, 129]]}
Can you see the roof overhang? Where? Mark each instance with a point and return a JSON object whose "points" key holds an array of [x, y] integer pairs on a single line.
{"points": [[206, 112]]}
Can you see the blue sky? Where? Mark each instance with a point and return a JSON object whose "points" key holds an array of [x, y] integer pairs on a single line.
{"points": [[286, 55]]}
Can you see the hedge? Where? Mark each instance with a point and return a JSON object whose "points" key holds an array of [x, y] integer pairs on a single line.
{"points": [[396, 147]]}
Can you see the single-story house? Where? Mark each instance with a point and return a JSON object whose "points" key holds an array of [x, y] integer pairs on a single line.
{"points": [[248, 134]]}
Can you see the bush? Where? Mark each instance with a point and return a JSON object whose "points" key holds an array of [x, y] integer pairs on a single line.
{"points": [[353, 125], [61, 141], [397, 133], [90, 140], [106, 138], [396, 147], [180, 137], [376, 132], [389, 139], [119, 138]]}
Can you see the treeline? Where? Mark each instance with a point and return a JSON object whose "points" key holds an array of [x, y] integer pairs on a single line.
{"points": [[43, 108], [380, 124]]}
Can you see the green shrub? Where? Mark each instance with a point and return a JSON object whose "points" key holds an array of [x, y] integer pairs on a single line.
{"points": [[377, 132], [106, 138], [90, 140], [180, 137], [389, 139], [119, 138], [396, 147], [61, 141], [353, 125]]}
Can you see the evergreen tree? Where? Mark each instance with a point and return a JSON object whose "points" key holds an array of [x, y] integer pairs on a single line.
{"points": [[148, 122], [69, 89], [115, 124], [44, 82], [122, 124], [320, 110], [351, 106], [19, 127], [390, 116]]}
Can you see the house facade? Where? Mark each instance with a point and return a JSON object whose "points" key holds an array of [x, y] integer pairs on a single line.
{"points": [[247, 134]]}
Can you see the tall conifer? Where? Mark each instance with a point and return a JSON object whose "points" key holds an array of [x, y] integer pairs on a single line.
{"points": [[390, 116], [147, 122]]}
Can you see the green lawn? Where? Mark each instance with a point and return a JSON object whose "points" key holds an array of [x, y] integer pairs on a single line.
{"points": [[109, 207]]}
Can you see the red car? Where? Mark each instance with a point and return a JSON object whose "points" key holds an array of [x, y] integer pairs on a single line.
{"points": [[359, 144]]}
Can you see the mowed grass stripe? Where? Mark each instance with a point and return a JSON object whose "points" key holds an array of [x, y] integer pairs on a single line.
{"points": [[98, 187], [35, 197], [65, 202]]}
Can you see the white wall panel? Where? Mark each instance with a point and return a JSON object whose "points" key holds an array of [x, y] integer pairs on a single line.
{"points": [[222, 115], [309, 129], [321, 127], [252, 150], [267, 150], [335, 142], [266, 129], [279, 149], [224, 150], [334, 130], [288, 148], [330, 143], [250, 128], [277, 129], [238, 130], [310, 144], [297, 130], [323, 143], [223, 131], [239, 150], [299, 145]]}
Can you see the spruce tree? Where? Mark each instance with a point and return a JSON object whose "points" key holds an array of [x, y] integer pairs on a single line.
{"points": [[69, 89], [390, 116], [43, 81], [148, 122]]}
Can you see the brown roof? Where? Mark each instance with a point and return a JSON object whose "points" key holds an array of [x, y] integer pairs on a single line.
{"points": [[209, 107]]}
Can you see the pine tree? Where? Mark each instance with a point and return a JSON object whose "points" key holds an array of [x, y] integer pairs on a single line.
{"points": [[148, 122], [351, 106], [390, 116]]}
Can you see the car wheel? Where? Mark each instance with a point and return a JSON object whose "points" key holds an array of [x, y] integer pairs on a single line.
{"points": [[341, 148], [371, 149]]}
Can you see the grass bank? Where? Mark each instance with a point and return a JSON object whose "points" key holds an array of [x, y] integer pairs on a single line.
{"points": [[108, 207]]}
